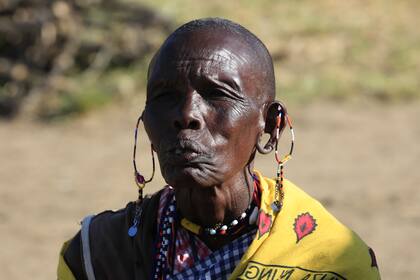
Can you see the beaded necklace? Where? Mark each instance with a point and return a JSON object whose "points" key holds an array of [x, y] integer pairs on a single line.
{"points": [[222, 229], [235, 225], [165, 243]]}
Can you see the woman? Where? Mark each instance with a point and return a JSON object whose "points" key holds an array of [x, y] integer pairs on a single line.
{"points": [[210, 98]]}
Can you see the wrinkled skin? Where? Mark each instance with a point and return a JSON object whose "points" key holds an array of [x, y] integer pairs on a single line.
{"points": [[204, 115]]}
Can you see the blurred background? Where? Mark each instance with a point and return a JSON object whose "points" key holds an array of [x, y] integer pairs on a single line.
{"points": [[72, 84]]}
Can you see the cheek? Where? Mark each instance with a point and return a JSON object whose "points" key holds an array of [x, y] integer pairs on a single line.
{"points": [[238, 134], [154, 131]]}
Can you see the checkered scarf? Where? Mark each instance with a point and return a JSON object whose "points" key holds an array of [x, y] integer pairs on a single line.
{"points": [[194, 260]]}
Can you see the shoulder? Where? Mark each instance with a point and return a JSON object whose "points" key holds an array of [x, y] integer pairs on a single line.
{"points": [[318, 241], [108, 237], [105, 227]]}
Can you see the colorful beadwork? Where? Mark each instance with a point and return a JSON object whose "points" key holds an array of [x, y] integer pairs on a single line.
{"points": [[219, 229], [140, 182], [279, 194], [165, 241]]}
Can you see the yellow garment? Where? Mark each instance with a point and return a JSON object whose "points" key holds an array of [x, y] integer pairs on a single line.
{"points": [[302, 241], [329, 251], [63, 271]]}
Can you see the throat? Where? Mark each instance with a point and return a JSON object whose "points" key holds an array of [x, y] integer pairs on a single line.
{"points": [[246, 218], [220, 213], [213, 208]]}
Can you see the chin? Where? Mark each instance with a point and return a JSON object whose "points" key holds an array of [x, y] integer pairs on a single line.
{"points": [[187, 177]]}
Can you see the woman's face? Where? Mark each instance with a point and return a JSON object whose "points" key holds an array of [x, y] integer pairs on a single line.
{"points": [[203, 112]]}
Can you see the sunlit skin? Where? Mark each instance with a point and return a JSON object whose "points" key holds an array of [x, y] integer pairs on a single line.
{"points": [[204, 115]]}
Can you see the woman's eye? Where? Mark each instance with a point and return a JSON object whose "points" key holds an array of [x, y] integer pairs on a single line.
{"points": [[216, 94]]}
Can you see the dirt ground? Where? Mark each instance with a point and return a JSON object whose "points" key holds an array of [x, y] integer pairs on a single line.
{"points": [[360, 161]]}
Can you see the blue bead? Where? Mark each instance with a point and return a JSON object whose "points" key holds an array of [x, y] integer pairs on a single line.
{"points": [[276, 207], [132, 231]]}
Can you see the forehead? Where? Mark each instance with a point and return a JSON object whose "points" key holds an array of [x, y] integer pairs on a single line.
{"points": [[204, 52]]}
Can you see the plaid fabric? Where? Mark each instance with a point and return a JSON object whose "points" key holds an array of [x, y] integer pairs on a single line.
{"points": [[207, 265], [184, 256], [220, 264], [184, 251]]}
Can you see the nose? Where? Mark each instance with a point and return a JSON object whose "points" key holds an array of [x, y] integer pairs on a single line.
{"points": [[189, 114]]}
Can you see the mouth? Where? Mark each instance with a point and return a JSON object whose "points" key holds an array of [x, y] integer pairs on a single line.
{"points": [[186, 162], [187, 152]]}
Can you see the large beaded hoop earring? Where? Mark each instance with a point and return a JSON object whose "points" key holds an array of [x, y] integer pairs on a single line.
{"points": [[139, 179], [279, 193], [140, 182]]}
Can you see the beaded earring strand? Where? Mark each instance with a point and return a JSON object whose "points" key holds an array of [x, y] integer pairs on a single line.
{"points": [[279, 193], [140, 182]]}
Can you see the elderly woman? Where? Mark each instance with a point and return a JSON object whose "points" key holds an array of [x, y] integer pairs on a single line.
{"points": [[210, 98]]}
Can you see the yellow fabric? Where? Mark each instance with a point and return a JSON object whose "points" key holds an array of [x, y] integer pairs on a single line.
{"points": [[330, 251], [63, 271]]}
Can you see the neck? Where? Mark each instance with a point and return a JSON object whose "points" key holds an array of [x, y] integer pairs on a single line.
{"points": [[216, 204]]}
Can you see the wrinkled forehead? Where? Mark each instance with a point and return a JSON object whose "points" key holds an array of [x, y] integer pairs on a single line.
{"points": [[218, 51]]}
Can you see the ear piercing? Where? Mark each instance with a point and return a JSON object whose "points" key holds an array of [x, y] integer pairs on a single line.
{"points": [[279, 193], [140, 182]]}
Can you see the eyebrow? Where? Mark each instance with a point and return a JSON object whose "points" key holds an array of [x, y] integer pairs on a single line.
{"points": [[229, 84]]}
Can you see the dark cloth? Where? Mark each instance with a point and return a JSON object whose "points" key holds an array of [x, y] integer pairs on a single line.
{"points": [[114, 254]]}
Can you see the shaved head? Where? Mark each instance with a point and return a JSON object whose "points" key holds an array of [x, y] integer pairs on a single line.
{"points": [[258, 57]]}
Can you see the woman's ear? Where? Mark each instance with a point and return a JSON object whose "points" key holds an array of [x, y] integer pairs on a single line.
{"points": [[275, 109]]}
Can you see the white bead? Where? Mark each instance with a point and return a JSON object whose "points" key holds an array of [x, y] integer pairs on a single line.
{"points": [[212, 231], [171, 219], [224, 227], [243, 215], [234, 223]]}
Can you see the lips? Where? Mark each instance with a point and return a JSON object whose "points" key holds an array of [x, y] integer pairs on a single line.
{"points": [[185, 151]]}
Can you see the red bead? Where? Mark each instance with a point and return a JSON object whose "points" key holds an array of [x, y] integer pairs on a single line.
{"points": [[222, 232]]}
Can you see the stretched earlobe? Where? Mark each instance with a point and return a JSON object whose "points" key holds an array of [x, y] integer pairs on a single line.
{"points": [[272, 122], [266, 149]]}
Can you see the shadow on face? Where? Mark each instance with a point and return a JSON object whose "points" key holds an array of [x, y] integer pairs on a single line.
{"points": [[205, 109]]}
